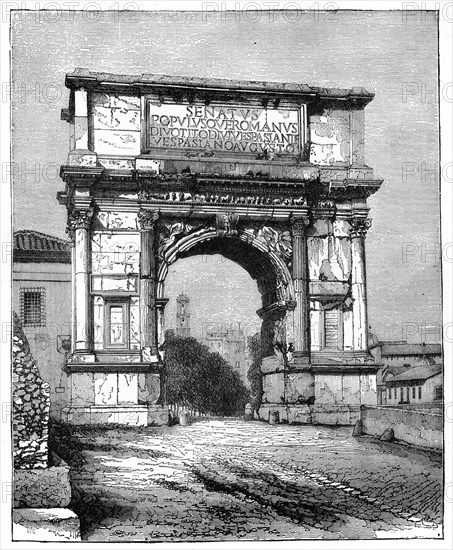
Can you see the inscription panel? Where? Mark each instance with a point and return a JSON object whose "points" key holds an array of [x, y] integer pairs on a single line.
{"points": [[220, 130]]}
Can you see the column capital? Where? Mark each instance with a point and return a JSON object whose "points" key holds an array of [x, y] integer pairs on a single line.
{"points": [[298, 225], [147, 218], [359, 227], [79, 219]]}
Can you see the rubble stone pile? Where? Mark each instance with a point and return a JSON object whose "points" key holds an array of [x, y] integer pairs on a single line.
{"points": [[31, 406]]}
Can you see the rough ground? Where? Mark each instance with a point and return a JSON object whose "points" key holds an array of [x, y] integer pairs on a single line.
{"points": [[232, 480]]}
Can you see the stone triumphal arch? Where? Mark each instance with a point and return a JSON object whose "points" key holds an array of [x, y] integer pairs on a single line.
{"points": [[270, 175]]}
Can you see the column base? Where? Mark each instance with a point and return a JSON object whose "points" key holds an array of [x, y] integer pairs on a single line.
{"points": [[132, 415]]}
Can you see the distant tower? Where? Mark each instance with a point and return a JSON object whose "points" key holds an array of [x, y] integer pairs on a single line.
{"points": [[182, 316]]}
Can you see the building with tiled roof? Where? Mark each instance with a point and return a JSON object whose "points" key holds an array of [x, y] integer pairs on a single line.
{"points": [[33, 246], [397, 357], [416, 386], [415, 375], [42, 300]]}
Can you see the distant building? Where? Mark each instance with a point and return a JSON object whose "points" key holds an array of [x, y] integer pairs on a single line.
{"points": [[417, 385], [42, 300], [183, 316], [229, 342], [397, 357]]}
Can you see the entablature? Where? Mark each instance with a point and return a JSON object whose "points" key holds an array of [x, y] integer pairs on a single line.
{"points": [[117, 119]]}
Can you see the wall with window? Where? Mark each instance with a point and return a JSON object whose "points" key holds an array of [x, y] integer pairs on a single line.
{"points": [[429, 391], [434, 388], [42, 300]]}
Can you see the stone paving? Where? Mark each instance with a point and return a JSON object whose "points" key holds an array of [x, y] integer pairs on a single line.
{"points": [[232, 480]]}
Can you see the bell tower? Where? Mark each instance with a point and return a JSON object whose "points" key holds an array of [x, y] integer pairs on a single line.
{"points": [[183, 316]]}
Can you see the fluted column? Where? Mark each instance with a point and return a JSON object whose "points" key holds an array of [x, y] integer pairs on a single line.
{"points": [[359, 228], [300, 278], [148, 312], [79, 225]]}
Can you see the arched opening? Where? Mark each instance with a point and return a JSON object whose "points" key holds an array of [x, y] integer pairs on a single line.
{"points": [[267, 268], [267, 277], [221, 295]]}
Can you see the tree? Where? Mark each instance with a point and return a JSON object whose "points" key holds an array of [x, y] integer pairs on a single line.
{"points": [[197, 378], [254, 374]]}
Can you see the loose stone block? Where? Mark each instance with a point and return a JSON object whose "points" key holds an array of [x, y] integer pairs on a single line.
{"points": [[43, 487], [51, 524]]}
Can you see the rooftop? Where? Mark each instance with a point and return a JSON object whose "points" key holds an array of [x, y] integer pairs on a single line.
{"points": [[418, 373], [33, 246], [403, 348]]}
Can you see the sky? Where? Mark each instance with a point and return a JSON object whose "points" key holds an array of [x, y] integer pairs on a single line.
{"points": [[390, 53]]}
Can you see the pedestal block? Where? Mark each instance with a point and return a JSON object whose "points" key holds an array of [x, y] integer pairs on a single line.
{"points": [[120, 394]]}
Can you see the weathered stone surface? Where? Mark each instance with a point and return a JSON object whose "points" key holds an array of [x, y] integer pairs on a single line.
{"points": [[341, 389], [127, 387], [114, 253], [341, 228], [50, 524], [272, 364], [120, 142], [147, 165], [329, 134], [328, 288], [82, 157], [115, 101], [43, 487], [105, 388], [320, 228], [300, 414], [148, 388], [335, 415], [31, 406], [329, 258], [348, 331], [145, 415], [318, 252], [82, 388], [273, 388], [116, 119], [422, 428], [300, 387], [115, 220], [116, 164]]}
